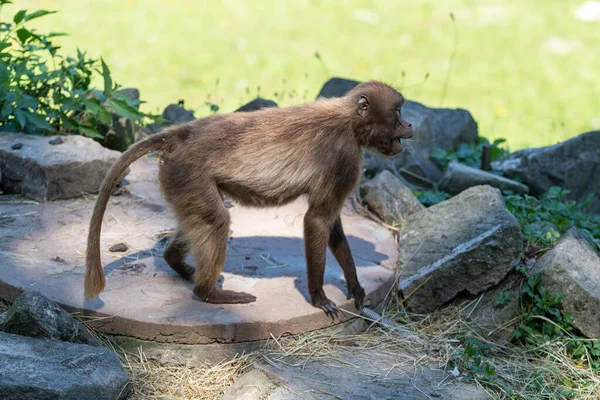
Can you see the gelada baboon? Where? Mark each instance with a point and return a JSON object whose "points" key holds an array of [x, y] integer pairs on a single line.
{"points": [[262, 158]]}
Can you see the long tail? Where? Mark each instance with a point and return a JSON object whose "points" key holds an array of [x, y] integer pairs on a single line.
{"points": [[94, 275]]}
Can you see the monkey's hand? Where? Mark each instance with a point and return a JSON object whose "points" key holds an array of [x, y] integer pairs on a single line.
{"points": [[321, 301], [358, 293]]}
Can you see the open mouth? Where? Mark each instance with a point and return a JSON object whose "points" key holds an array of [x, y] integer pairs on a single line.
{"points": [[397, 138]]}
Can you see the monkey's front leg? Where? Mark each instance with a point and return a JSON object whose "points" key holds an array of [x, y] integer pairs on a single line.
{"points": [[341, 250], [317, 226]]}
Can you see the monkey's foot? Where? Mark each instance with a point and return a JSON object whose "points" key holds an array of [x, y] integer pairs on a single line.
{"points": [[219, 296], [185, 270], [321, 301], [358, 293]]}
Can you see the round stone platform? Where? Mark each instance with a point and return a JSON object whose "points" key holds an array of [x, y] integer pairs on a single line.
{"points": [[42, 248]]}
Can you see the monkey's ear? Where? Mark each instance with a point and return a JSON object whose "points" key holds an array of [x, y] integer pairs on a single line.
{"points": [[363, 106]]}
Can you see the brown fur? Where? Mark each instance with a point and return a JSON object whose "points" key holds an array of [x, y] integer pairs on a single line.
{"points": [[262, 158]]}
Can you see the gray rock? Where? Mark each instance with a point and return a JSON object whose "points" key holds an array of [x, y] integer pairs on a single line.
{"points": [[465, 244], [257, 104], [253, 385], [459, 177], [441, 128], [45, 172], [496, 315], [337, 87], [132, 93], [375, 375], [389, 198], [573, 164], [36, 369], [31, 314], [572, 267], [174, 114]]}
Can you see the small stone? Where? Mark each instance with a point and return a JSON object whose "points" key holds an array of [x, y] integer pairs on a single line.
{"points": [[17, 146], [118, 248], [58, 259], [253, 385], [56, 141]]}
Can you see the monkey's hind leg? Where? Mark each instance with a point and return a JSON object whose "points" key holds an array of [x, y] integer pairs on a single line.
{"points": [[175, 255], [207, 228]]}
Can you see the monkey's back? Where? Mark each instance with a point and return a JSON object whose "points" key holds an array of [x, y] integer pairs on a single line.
{"points": [[268, 157]]}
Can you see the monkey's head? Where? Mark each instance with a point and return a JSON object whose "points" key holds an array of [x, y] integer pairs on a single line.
{"points": [[379, 123]]}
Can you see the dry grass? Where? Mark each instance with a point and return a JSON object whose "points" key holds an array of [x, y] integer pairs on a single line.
{"points": [[543, 372]]}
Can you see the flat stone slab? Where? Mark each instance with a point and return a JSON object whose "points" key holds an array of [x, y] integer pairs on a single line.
{"points": [[47, 168], [42, 248]]}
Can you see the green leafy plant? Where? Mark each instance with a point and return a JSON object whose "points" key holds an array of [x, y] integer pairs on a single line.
{"points": [[543, 220], [44, 92], [431, 197], [470, 154], [474, 361], [543, 321]]}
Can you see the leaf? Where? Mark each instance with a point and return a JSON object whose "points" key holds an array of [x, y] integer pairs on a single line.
{"points": [[124, 110], [37, 14], [56, 34], [93, 105], [108, 84], [23, 34], [105, 116], [20, 115], [90, 132], [38, 120], [19, 16], [6, 110]]}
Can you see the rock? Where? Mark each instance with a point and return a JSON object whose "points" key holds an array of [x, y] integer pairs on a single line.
{"points": [[415, 167], [573, 164], [118, 248], [31, 314], [459, 177], [375, 375], [44, 172], [337, 87], [496, 315], [174, 114], [56, 141], [257, 104], [42, 369], [389, 198], [441, 128], [132, 93], [17, 146], [572, 267], [465, 244], [253, 385]]}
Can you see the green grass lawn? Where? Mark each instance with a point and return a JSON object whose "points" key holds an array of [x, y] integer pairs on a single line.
{"points": [[227, 51]]}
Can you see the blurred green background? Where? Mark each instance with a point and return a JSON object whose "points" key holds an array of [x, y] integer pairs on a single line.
{"points": [[526, 69]]}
